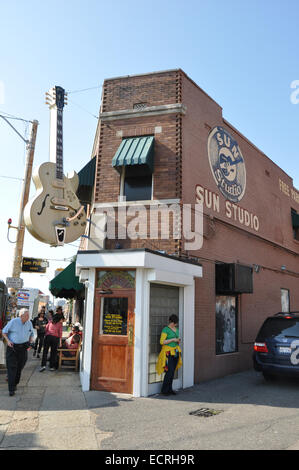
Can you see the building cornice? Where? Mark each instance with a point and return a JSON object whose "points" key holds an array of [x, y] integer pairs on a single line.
{"points": [[177, 108]]}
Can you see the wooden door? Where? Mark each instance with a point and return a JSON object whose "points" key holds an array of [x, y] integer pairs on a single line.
{"points": [[113, 341]]}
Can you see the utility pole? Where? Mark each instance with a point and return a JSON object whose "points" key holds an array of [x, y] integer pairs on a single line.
{"points": [[17, 262]]}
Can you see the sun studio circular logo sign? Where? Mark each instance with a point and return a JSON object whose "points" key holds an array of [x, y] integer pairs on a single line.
{"points": [[227, 164]]}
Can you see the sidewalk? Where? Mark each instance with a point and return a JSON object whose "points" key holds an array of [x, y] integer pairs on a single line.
{"points": [[49, 411]]}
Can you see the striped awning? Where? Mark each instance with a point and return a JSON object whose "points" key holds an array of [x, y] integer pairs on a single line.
{"points": [[135, 151]]}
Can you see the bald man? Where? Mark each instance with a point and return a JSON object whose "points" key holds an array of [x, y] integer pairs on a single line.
{"points": [[18, 334]]}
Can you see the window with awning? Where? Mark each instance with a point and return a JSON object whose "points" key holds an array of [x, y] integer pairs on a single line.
{"points": [[135, 151], [134, 160]]}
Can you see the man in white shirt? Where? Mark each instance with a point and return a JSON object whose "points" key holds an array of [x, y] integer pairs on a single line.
{"points": [[18, 334]]}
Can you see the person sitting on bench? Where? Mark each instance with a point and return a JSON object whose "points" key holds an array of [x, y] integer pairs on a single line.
{"points": [[71, 345]]}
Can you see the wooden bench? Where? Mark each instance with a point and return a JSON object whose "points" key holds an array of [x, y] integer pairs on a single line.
{"points": [[73, 360]]}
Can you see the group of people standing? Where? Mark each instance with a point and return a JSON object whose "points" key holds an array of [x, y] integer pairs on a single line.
{"points": [[19, 336], [49, 336]]}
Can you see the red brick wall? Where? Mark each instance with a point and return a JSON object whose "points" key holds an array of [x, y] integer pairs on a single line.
{"points": [[152, 89], [181, 163], [121, 94], [229, 241]]}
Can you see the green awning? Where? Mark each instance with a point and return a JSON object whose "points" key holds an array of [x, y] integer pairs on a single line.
{"points": [[87, 173], [66, 284], [86, 182], [295, 220], [135, 151]]}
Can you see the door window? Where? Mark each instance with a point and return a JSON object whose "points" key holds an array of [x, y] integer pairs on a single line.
{"points": [[114, 316]]}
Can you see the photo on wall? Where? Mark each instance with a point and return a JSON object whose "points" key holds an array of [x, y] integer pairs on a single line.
{"points": [[226, 324]]}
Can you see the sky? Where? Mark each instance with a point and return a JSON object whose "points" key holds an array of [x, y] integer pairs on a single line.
{"points": [[243, 54]]}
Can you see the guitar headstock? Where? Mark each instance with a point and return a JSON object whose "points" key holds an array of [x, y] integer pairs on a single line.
{"points": [[56, 96]]}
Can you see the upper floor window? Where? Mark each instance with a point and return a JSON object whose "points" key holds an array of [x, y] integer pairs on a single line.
{"points": [[295, 223], [134, 160], [135, 185]]}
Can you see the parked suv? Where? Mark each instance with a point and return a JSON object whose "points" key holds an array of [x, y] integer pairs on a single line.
{"points": [[276, 348]]}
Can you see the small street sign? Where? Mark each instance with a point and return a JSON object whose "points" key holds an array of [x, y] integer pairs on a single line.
{"points": [[14, 283], [34, 265]]}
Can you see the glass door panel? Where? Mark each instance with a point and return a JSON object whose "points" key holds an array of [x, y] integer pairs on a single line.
{"points": [[114, 316]]}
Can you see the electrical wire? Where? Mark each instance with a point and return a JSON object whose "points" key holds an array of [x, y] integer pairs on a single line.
{"points": [[84, 89], [11, 178], [84, 109], [80, 91], [11, 116]]}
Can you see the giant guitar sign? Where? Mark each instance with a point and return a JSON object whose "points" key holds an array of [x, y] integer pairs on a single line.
{"points": [[54, 215]]}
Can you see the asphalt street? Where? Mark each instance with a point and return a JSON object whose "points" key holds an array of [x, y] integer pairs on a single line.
{"points": [[252, 415], [50, 412]]}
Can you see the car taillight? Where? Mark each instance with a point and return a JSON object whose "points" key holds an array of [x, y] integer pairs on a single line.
{"points": [[261, 347]]}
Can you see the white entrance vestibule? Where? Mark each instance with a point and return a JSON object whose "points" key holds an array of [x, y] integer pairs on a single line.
{"points": [[155, 272]]}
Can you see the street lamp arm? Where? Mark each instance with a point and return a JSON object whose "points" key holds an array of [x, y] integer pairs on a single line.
{"points": [[20, 135]]}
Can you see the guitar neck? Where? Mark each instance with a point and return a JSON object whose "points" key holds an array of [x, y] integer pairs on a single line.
{"points": [[56, 100], [59, 145]]}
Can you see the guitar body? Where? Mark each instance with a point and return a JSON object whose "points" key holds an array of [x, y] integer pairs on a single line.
{"points": [[54, 203]]}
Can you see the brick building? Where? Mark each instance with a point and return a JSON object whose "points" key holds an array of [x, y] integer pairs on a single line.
{"points": [[187, 217]]}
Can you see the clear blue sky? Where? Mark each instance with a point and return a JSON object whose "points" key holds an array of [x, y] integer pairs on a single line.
{"points": [[243, 54]]}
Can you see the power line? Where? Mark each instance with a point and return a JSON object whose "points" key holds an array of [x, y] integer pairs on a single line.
{"points": [[84, 109], [11, 178], [6, 119], [84, 89], [11, 116]]}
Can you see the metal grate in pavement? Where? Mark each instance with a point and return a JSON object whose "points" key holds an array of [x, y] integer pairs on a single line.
{"points": [[205, 412]]}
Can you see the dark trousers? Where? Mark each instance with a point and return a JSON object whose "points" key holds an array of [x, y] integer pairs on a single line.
{"points": [[16, 358], [39, 342], [51, 342], [168, 378]]}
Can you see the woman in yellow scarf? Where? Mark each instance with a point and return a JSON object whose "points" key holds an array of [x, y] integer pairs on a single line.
{"points": [[170, 357]]}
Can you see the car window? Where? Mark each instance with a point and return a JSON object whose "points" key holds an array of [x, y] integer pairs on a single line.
{"points": [[279, 326]]}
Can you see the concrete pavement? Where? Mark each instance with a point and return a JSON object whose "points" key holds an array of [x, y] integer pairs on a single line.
{"points": [[50, 412]]}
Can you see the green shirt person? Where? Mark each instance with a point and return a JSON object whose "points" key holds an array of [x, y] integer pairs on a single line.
{"points": [[170, 357]]}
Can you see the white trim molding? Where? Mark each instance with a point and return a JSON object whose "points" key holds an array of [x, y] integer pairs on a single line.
{"points": [[123, 203], [86, 355], [176, 108]]}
